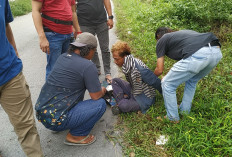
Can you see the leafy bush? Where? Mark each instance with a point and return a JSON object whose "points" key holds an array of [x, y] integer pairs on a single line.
{"points": [[20, 7]]}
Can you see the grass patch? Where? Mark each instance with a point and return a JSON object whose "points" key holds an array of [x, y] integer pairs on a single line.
{"points": [[20, 7], [207, 131]]}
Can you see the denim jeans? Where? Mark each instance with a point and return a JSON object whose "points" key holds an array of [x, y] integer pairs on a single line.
{"points": [[190, 71], [144, 102], [58, 44], [82, 117], [102, 32]]}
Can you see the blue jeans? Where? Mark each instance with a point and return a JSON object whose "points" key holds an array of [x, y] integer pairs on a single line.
{"points": [[144, 102], [82, 117], [190, 71], [58, 44]]}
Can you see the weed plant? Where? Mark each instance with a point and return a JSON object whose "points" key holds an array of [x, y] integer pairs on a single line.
{"points": [[20, 7], [207, 130]]}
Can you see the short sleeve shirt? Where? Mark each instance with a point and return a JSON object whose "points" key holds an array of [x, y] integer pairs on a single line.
{"points": [[65, 87], [57, 9], [182, 44], [10, 64], [91, 12]]}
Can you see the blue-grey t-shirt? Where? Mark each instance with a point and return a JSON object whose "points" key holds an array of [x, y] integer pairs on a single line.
{"points": [[10, 64], [91, 12], [65, 87], [182, 44]]}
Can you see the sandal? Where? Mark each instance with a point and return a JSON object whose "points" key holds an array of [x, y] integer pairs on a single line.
{"points": [[79, 143]]}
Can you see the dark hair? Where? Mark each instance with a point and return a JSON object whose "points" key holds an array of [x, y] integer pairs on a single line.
{"points": [[124, 53], [84, 51], [161, 31]]}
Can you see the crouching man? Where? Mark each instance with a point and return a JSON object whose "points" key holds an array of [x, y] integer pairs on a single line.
{"points": [[60, 105]]}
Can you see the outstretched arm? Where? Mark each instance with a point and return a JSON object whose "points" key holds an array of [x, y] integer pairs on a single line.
{"points": [[160, 66], [36, 7], [10, 37], [107, 4]]}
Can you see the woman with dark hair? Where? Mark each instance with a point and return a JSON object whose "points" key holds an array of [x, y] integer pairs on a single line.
{"points": [[139, 92], [60, 105]]}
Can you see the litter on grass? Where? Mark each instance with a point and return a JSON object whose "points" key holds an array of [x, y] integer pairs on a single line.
{"points": [[161, 140]]}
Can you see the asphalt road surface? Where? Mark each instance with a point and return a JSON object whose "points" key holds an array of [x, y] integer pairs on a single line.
{"points": [[34, 62]]}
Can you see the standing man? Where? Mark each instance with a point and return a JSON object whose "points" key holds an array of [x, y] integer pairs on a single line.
{"points": [[60, 105], [197, 54], [93, 19], [53, 21], [15, 96]]}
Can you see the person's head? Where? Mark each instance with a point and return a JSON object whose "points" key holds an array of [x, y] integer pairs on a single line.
{"points": [[85, 44], [161, 31], [120, 50]]}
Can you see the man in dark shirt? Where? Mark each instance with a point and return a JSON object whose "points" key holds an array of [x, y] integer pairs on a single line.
{"points": [[92, 18], [60, 105], [197, 54]]}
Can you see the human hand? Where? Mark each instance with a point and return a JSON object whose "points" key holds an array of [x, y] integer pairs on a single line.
{"points": [[44, 45], [110, 23]]}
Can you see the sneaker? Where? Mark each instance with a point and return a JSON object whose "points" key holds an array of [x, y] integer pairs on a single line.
{"points": [[115, 110]]}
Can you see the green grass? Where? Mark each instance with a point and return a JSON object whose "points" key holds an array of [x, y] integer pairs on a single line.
{"points": [[207, 130], [20, 7]]}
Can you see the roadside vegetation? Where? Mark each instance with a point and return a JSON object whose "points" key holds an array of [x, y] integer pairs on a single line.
{"points": [[207, 131], [20, 7]]}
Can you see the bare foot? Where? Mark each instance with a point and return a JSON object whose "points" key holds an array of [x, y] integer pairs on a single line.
{"points": [[79, 139]]}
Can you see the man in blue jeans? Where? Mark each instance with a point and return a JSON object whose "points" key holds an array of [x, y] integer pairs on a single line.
{"points": [[197, 54], [54, 21], [60, 105]]}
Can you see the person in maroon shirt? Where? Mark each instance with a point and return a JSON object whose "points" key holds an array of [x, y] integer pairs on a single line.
{"points": [[53, 21]]}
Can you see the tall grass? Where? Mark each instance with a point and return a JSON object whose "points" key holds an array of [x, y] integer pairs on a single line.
{"points": [[20, 7], [207, 130]]}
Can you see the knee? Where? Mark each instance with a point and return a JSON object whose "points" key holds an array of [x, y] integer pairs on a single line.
{"points": [[115, 80], [101, 105], [167, 86]]}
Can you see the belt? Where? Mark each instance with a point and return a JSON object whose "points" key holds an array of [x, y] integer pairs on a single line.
{"points": [[46, 29], [57, 21], [214, 43]]}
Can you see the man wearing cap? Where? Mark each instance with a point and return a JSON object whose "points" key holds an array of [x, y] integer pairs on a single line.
{"points": [[92, 18], [54, 21], [60, 105]]}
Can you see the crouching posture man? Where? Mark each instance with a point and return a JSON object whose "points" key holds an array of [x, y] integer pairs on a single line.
{"points": [[139, 92], [60, 105], [197, 54]]}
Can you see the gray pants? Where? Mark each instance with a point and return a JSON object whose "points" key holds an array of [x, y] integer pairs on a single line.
{"points": [[102, 32]]}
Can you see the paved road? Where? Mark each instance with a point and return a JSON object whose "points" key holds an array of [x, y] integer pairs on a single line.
{"points": [[34, 62]]}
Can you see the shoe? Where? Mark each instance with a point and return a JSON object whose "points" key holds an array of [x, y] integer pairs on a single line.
{"points": [[115, 110]]}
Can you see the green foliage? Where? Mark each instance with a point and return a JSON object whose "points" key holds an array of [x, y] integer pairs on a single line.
{"points": [[20, 7], [207, 131]]}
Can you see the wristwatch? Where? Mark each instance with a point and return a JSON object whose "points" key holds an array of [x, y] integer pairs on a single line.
{"points": [[111, 17]]}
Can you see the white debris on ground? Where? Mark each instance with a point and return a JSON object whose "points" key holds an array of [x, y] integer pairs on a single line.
{"points": [[161, 140]]}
